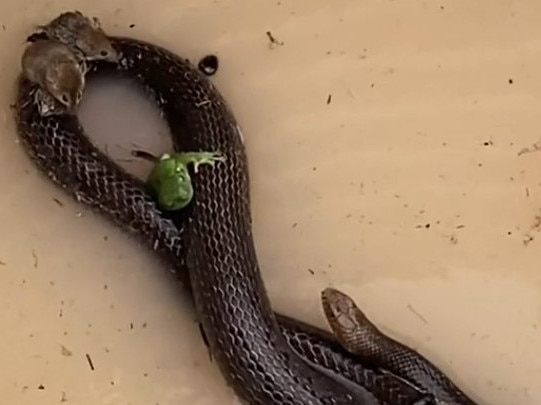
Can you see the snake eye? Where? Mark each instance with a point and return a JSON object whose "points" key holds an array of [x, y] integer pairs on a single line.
{"points": [[65, 99]]}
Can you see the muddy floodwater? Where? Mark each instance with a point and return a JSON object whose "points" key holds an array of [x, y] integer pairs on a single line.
{"points": [[394, 153]]}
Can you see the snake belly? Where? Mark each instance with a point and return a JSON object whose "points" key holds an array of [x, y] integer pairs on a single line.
{"points": [[214, 240]]}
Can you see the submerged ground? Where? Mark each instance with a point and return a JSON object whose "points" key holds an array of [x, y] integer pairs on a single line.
{"points": [[392, 153]]}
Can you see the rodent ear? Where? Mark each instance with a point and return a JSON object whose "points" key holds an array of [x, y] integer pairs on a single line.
{"points": [[79, 43], [64, 98], [95, 22]]}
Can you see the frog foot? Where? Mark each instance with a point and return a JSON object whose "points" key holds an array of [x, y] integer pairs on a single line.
{"points": [[199, 158]]}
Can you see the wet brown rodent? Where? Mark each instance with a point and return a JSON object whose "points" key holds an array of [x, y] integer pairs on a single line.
{"points": [[56, 70], [80, 33]]}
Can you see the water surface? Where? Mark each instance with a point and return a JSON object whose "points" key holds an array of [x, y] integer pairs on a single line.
{"points": [[388, 146]]}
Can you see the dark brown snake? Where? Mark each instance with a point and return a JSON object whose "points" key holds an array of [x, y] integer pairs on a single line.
{"points": [[267, 358]]}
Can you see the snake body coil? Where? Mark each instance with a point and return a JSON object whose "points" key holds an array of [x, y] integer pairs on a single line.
{"points": [[213, 244]]}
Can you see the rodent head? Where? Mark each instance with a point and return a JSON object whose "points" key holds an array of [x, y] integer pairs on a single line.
{"points": [[66, 84], [95, 45], [69, 97]]}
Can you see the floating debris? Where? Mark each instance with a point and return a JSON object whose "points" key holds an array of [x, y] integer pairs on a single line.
{"points": [[208, 65], [273, 41], [90, 363]]}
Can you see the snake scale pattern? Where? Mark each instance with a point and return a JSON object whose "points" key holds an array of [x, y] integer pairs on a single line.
{"points": [[268, 359]]}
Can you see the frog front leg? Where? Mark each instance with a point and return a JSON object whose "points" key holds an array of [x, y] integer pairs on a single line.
{"points": [[198, 158]]}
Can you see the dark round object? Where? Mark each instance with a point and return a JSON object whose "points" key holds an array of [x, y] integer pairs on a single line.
{"points": [[208, 65]]}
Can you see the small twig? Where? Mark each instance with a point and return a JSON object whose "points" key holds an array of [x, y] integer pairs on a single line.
{"points": [[535, 147], [35, 256], [65, 351], [89, 361], [56, 200], [202, 103], [417, 313], [141, 154], [273, 40]]}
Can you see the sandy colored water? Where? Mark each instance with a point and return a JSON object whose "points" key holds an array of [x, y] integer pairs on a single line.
{"points": [[393, 155]]}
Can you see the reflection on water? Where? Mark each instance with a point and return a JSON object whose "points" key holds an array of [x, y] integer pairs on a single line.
{"points": [[127, 121]]}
